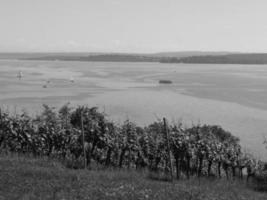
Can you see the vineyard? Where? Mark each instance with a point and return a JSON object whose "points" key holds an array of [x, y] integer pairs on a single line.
{"points": [[83, 137]]}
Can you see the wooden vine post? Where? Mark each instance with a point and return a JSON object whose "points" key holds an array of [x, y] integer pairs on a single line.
{"points": [[84, 153], [168, 147]]}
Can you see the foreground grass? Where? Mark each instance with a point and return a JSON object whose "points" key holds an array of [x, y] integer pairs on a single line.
{"points": [[27, 178]]}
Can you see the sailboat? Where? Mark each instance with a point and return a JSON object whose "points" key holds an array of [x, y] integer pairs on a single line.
{"points": [[71, 79], [19, 75]]}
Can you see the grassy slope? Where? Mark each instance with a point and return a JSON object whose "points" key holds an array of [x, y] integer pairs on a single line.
{"points": [[25, 178]]}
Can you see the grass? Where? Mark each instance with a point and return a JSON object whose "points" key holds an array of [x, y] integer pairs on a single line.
{"points": [[28, 178]]}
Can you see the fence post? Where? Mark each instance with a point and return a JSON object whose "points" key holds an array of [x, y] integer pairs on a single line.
{"points": [[168, 147], [84, 153]]}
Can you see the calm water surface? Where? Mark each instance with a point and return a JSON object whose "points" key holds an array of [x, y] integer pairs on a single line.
{"points": [[233, 96]]}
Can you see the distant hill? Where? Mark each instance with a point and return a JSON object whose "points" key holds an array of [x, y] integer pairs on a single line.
{"points": [[164, 57], [103, 55], [29, 55], [101, 58], [126, 57], [181, 54], [248, 58]]}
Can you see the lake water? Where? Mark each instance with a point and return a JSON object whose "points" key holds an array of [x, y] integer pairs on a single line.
{"points": [[233, 96]]}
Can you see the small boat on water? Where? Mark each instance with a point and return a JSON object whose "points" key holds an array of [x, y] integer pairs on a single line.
{"points": [[165, 82], [71, 79], [19, 75]]}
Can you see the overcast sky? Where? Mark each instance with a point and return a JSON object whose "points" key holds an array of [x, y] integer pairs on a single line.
{"points": [[133, 25]]}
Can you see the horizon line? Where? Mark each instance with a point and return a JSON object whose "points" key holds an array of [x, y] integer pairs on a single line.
{"points": [[121, 52]]}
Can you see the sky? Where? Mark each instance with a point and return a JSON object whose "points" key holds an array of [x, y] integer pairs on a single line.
{"points": [[141, 26]]}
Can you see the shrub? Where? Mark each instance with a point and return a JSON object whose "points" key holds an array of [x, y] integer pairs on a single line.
{"points": [[259, 181]]}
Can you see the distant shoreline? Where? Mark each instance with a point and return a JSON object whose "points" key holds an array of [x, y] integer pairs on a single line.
{"points": [[247, 59], [167, 57]]}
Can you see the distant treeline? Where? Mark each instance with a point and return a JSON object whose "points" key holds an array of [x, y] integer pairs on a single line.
{"points": [[101, 58], [242, 58], [221, 59]]}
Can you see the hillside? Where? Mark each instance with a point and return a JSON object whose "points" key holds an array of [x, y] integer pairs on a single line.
{"points": [[182, 54], [195, 57], [123, 57], [102, 55], [28, 178], [100, 58], [105, 57], [32, 55], [254, 58]]}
